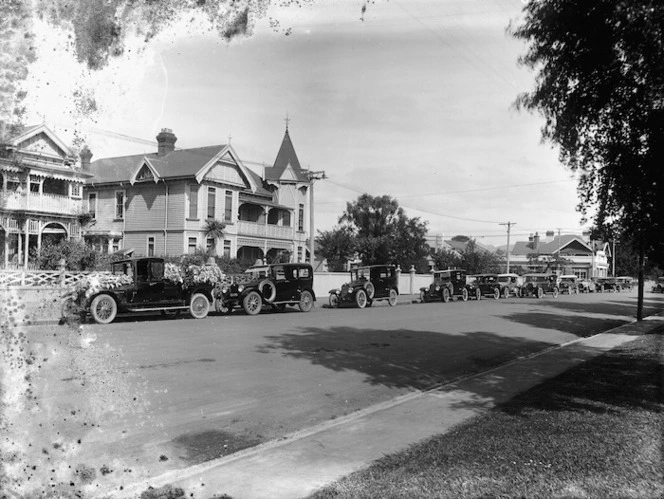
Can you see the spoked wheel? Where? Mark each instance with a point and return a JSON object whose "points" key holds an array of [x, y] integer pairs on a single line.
{"points": [[334, 300], [392, 300], [496, 293], [252, 303], [306, 301], [360, 298], [506, 292], [478, 294], [370, 289], [103, 309], [464, 294], [446, 295], [199, 306], [555, 292], [540, 292]]}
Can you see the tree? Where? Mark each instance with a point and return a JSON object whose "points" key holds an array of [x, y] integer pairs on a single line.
{"points": [[337, 246], [215, 229], [384, 233], [600, 88]]}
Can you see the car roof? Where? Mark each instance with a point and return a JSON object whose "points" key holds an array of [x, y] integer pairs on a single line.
{"points": [[506, 275], [372, 266], [538, 275], [568, 275]]}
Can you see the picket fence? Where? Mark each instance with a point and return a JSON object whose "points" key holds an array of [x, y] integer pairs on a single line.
{"points": [[41, 278]]}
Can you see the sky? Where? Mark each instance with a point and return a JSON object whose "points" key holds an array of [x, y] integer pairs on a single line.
{"points": [[412, 98]]}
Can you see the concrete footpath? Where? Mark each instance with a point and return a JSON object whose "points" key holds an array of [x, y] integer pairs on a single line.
{"points": [[302, 462]]}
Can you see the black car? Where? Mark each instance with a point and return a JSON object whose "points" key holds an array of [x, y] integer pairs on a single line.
{"points": [[276, 285], [489, 285], [446, 284], [143, 289], [540, 284], [367, 285], [473, 287]]}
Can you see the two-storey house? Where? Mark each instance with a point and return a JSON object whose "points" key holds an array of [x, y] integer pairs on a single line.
{"points": [[160, 203], [42, 193], [580, 256]]}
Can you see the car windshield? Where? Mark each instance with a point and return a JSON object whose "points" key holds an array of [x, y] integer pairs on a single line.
{"points": [[488, 279], [567, 279], [123, 268], [534, 278], [359, 274], [257, 272]]}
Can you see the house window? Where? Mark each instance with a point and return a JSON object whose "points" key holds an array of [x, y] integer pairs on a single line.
{"points": [[212, 200], [193, 201], [119, 205], [299, 253], [300, 220], [116, 245], [209, 244], [191, 246], [92, 204], [75, 190], [228, 212], [227, 249], [151, 246]]}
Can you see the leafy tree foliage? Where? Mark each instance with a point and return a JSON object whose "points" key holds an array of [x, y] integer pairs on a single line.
{"points": [[600, 88], [384, 234], [473, 259], [77, 255], [337, 246]]}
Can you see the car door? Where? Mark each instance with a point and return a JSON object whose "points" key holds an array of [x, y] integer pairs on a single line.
{"points": [[283, 282], [378, 279], [142, 294]]}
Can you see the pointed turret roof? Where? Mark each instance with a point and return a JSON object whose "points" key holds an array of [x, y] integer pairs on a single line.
{"points": [[286, 157]]}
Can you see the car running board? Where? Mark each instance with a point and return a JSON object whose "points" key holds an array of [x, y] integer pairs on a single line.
{"points": [[157, 308]]}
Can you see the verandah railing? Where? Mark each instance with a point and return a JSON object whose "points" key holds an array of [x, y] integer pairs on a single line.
{"points": [[41, 278]]}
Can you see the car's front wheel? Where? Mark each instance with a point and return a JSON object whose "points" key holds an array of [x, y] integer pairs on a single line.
{"points": [[306, 301], [478, 294], [334, 300], [446, 295], [464, 294], [360, 298], [496, 293], [392, 300], [199, 307], [423, 297], [506, 292], [555, 292], [252, 303], [103, 309], [540, 292]]}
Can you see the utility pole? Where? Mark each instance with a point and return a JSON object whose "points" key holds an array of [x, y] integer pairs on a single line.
{"points": [[613, 259], [509, 227], [313, 176]]}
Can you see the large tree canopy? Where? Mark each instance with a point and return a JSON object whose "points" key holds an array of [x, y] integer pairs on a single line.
{"points": [[384, 234], [600, 87]]}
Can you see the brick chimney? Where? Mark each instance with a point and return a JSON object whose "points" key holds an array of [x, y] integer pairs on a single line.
{"points": [[166, 140], [550, 236], [85, 156], [535, 240]]}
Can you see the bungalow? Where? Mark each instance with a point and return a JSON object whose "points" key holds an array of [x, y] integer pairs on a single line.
{"points": [[160, 203], [580, 256], [42, 193]]}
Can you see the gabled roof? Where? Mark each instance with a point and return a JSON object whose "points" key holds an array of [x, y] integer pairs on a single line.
{"points": [[28, 132], [286, 158], [544, 248]]}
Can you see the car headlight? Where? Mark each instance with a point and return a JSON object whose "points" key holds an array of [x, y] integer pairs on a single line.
{"points": [[240, 288], [437, 288]]}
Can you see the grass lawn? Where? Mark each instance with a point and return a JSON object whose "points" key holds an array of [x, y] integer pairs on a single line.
{"points": [[595, 431]]}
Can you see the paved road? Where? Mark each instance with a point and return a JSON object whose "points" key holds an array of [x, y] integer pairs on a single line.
{"points": [[166, 394]]}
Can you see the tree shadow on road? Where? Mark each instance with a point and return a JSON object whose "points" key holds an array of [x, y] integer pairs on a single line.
{"points": [[401, 358], [578, 325], [609, 308]]}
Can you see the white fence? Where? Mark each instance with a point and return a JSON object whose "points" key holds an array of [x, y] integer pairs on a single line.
{"points": [[39, 278]]}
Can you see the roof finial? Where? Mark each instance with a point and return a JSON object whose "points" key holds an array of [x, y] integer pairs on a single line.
{"points": [[229, 139], [287, 120]]}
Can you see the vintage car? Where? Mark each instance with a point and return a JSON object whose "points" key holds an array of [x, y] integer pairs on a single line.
{"points": [[275, 285], [625, 282], [540, 284], [145, 290], [473, 287], [489, 285], [585, 286], [659, 287], [606, 284], [568, 284], [368, 284], [446, 284], [510, 285]]}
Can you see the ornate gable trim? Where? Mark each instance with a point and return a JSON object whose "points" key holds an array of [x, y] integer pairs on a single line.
{"points": [[23, 141], [145, 172], [229, 156]]}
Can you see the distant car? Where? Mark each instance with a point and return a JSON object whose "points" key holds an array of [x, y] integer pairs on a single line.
{"points": [[473, 287], [510, 285], [275, 285], [446, 285], [489, 285], [585, 286], [659, 287], [625, 282], [367, 285], [568, 284], [540, 284], [606, 284], [147, 290]]}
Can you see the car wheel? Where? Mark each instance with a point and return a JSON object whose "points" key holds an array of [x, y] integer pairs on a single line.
{"points": [[478, 294], [306, 301], [103, 309], [360, 298], [496, 293], [423, 297], [199, 307], [370, 289], [540, 292], [506, 292], [334, 300], [617, 289], [518, 293], [446, 295], [252, 303], [268, 290], [464, 294], [392, 300], [222, 308]]}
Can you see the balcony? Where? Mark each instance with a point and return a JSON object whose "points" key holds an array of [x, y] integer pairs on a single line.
{"points": [[245, 228], [45, 203]]}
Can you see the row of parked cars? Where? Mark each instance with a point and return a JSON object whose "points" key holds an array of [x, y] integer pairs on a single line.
{"points": [[148, 289]]}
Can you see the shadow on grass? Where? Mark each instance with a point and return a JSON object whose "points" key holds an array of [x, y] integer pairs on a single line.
{"points": [[401, 358]]}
